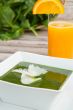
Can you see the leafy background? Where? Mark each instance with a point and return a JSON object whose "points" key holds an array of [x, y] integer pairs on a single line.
{"points": [[16, 17]]}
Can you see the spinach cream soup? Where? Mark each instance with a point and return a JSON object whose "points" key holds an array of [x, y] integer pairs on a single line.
{"points": [[48, 78]]}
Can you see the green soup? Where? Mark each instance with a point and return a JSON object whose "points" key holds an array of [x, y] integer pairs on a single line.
{"points": [[50, 80]]}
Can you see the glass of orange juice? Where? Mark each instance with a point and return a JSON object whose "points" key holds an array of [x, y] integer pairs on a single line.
{"points": [[60, 39]]}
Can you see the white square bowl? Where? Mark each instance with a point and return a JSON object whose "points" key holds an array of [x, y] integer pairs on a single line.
{"points": [[7, 106], [35, 98]]}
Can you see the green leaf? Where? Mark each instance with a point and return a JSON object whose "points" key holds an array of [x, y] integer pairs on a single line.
{"points": [[6, 16], [5, 36], [26, 24], [16, 34], [45, 22], [15, 1]]}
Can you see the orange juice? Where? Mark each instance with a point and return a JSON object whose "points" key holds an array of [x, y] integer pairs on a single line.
{"points": [[60, 39]]}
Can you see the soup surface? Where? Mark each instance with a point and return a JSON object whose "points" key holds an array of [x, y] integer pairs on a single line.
{"points": [[48, 80]]}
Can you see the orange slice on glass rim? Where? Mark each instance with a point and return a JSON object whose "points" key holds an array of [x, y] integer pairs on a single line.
{"points": [[48, 7]]}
